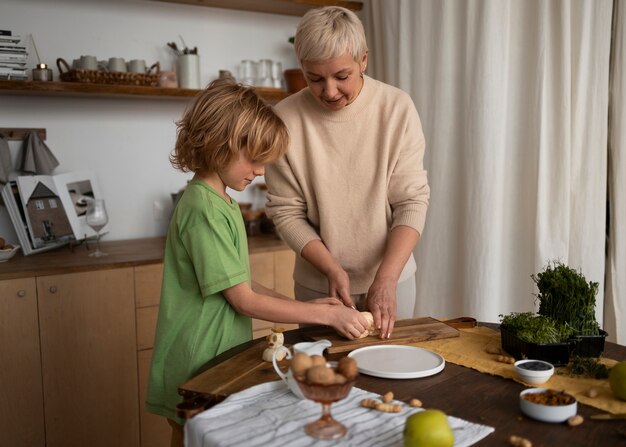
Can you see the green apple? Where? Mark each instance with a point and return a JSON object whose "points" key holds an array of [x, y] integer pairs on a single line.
{"points": [[617, 380], [428, 428]]}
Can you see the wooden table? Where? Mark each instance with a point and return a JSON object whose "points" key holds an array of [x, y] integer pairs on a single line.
{"points": [[458, 391]]}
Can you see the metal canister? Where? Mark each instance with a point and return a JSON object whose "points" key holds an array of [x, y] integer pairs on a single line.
{"points": [[42, 73]]}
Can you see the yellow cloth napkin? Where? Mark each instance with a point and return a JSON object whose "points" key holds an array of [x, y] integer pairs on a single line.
{"points": [[469, 350]]}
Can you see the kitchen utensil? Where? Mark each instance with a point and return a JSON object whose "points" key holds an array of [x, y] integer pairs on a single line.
{"points": [[264, 73], [188, 71], [117, 64], [309, 348], [326, 427], [137, 66], [97, 218], [533, 372], [546, 413], [88, 63], [277, 74], [42, 73], [247, 72], [167, 79], [8, 253], [397, 361], [462, 322], [405, 332]]}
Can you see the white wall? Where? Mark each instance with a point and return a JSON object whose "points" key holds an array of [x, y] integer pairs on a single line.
{"points": [[127, 141]]}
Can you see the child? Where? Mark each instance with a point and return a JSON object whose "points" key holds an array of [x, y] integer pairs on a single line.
{"points": [[226, 137]]}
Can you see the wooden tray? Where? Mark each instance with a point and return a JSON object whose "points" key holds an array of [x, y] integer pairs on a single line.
{"points": [[405, 332]]}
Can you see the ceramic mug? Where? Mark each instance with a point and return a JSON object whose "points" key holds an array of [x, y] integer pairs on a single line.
{"points": [[88, 63], [117, 64], [310, 348], [137, 66]]}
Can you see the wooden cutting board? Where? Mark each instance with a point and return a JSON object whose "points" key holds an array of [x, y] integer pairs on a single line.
{"points": [[405, 332]]}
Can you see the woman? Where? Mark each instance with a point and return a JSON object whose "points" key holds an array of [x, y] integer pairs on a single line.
{"points": [[351, 194]]}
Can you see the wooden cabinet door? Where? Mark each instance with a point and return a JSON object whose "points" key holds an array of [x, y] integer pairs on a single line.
{"points": [[284, 262], [155, 431], [273, 270], [21, 397], [89, 358]]}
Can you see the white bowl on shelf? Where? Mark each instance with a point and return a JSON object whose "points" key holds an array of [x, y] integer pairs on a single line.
{"points": [[548, 413], [533, 372], [7, 254]]}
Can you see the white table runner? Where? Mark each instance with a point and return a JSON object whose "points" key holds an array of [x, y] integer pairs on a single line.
{"points": [[269, 415]]}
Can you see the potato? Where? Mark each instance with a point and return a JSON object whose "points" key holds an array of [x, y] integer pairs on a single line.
{"points": [[347, 367], [320, 375], [300, 363], [318, 360]]}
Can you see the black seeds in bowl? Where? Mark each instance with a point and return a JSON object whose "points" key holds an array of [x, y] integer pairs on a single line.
{"points": [[535, 366]]}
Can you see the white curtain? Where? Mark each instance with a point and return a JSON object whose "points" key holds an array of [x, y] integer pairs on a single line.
{"points": [[615, 300], [514, 99]]}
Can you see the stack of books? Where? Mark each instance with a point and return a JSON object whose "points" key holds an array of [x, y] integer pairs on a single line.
{"points": [[13, 57]]}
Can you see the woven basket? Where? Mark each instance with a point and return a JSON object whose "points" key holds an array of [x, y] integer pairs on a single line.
{"points": [[67, 74]]}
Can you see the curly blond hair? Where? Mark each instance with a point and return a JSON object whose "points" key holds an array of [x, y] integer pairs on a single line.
{"points": [[227, 119]]}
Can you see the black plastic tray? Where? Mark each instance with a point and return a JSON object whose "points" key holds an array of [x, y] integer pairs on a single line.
{"points": [[588, 345], [555, 353]]}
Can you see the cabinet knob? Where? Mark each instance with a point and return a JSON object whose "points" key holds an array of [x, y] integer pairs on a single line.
{"points": [[21, 293], [53, 289]]}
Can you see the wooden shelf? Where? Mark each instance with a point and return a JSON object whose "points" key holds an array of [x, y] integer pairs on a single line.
{"points": [[285, 7], [77, 89]]}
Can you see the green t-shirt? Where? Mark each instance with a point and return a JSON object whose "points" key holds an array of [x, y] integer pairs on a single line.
{"points": [[206, 252]]}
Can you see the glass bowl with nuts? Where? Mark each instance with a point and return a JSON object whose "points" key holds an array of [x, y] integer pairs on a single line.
{"points": [[324, 382]]}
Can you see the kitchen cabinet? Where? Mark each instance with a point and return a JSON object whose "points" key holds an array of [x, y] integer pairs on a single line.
{"points": [[89, 358], [155, 431], [21, 394], [287, 7], [272, 270], [76, 336]]}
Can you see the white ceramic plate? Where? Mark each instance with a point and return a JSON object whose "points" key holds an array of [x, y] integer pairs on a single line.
{"points": [[397, 361]]}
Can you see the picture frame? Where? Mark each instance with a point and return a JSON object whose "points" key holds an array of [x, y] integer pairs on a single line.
{"points": [[48, 211]]}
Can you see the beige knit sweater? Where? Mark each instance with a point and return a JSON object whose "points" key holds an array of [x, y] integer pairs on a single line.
{"points": [[348, 178]]}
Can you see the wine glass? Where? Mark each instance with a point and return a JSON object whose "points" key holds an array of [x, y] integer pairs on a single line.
{"points": [[97, 218], [325, 427]]}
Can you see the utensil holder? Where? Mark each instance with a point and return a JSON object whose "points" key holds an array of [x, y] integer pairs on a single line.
{"points": [[188, 71]]}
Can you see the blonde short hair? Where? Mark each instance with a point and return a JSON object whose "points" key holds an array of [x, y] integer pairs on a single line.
{"points": [[325, 33], [225, 119]]}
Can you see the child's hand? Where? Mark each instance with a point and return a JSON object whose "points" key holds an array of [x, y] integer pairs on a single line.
{"points": [[327, 300], [348, 322]]}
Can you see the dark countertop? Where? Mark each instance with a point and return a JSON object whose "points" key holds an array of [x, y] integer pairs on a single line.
{"points": [[124, 253]]}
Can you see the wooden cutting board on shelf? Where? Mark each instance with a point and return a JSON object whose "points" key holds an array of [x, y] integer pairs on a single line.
{"points": [[405, 332]]}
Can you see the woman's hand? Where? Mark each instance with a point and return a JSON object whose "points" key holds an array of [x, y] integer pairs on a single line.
{"points": [[347, 321], [381, 302], [339, 285]]}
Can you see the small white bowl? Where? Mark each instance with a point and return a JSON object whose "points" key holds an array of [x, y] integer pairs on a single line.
{"points": [[533, 372], [547, 413], [5, 255]]}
